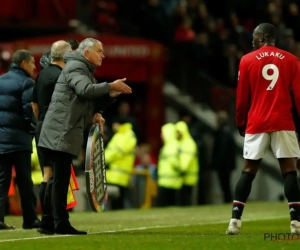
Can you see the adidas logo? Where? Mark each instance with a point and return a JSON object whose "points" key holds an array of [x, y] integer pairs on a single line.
{"points": [[292, 210], [235, 209]]}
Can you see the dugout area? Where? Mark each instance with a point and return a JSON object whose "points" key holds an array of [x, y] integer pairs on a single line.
{"points": [[142, 62]]}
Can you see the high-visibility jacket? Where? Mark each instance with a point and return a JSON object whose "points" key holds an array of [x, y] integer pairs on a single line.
{"points": [[169, 171], [120, 155], [188, 155], [36, 172]]}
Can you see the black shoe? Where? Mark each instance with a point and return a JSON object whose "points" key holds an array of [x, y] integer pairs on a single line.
{"points": [[3, 226], [45, 231], [35, 224], [64, 227], [46, 225]]}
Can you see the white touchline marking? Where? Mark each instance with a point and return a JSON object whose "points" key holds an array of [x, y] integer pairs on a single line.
{"points": [[15, 230], [138, 229]]}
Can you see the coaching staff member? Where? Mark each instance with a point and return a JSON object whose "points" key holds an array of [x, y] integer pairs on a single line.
{"points": [[74, 43], [46, 58], [72, 108], [41, 98], [15, 139]]}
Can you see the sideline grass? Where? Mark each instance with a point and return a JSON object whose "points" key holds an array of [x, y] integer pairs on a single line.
{"points": [[170, 228]]}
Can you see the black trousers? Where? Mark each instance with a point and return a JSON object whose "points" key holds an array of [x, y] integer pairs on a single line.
{"points": [[60, 183], [167, 197], [43, 155], [185, 195], [118, 203], [224, 179], [22, 162]]}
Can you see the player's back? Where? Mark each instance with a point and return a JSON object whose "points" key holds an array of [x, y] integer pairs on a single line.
{"points": [[270, 73]]}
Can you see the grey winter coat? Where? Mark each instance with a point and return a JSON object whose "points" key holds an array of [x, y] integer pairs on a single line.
{"points": [[72, 106]]}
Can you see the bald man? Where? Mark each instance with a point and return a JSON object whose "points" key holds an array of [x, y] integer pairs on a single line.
{"points": [[41, 98], [267, 77]]}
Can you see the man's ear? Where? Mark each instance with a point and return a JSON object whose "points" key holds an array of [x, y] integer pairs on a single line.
{"points": [[86, 53], [261, 39], [23, 63]]}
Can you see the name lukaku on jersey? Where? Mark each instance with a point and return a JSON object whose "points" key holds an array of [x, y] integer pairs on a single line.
{"points": [[265, 54]]}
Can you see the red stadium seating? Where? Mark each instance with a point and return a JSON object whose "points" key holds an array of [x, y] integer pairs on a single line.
{"points": [[16, 10], [38, 13]]}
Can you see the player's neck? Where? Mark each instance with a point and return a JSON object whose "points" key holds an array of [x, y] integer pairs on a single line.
{"points": [[269, 44]]}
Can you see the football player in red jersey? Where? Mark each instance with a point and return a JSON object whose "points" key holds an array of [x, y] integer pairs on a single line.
{"points": [[267, 76]]}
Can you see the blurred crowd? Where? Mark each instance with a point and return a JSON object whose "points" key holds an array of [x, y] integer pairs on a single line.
{"points": [[206, 38]]}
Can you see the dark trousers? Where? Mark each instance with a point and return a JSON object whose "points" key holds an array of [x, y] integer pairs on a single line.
{"points": [[119, 202], [61, 178], [47, 202], [167, 197], [185, 195], [224, 179], [22, 162], [204, 186], [43, 155]]}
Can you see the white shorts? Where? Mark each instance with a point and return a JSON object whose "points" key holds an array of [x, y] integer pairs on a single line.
{"points": [[284, 144]]}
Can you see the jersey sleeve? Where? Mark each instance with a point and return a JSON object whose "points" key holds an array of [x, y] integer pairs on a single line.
{"points": [[242, 95], [296, 86]]}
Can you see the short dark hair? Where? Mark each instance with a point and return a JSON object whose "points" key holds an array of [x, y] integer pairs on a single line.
{"points": [[74, 43], [21, 55], [268, 30]]}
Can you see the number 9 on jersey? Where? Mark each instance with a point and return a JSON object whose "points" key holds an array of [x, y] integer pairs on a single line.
{"points": [[273, 77]]}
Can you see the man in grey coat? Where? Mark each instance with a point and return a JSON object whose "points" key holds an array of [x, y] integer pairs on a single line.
{"points": [[77, 100]]}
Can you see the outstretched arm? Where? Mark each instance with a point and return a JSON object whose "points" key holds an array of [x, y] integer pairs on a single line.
{"points": [[84, 87]]}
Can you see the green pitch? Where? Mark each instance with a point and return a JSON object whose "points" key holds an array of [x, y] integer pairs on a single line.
{"points": [[170, 228]]}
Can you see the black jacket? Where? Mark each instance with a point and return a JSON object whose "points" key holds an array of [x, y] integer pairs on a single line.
{"points": [[15, 110]]}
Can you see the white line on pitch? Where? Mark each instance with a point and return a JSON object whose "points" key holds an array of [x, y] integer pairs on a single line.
{"points": [[138, 229]]}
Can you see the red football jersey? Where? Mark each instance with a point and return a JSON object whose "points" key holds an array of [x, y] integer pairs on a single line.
{"points": [[266, 78]]}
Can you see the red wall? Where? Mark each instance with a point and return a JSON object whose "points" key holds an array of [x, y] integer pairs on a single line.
{"points": [[48, 11], [40, 11], [17, 9]]}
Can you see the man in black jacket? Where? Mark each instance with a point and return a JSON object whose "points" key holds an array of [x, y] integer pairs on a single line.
{"points": [[46, 58], [41, 98], [15, 139]]}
